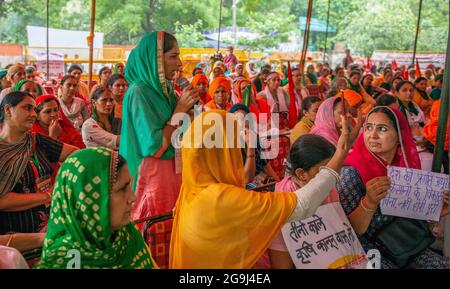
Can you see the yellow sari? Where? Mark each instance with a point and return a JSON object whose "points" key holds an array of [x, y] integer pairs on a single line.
{"points": [[217, 222]]}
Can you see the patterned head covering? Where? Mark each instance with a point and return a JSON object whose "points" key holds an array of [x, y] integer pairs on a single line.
{"points": [[80, 217]]}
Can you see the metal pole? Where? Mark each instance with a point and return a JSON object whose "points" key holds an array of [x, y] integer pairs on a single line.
{"points": [[234, 23], [417, 32], [48, 50], [220, 26], [306, 37], [91, 42], [326, 33], [440, 135]]}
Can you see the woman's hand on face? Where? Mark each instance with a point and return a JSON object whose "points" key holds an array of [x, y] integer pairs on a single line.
{"points": [[349, 131], [444, 211], [187, 99], [54, 130], [376, 189]]}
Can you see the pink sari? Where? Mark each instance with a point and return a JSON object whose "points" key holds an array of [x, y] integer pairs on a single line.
{"points": [[157, 191], [324, 124]]}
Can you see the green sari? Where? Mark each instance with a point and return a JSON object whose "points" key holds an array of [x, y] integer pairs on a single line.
{"points": [[148, 104], [80, 218]]}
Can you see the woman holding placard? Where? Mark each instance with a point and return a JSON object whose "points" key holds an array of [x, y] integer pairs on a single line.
{"points": [[386, 140]]}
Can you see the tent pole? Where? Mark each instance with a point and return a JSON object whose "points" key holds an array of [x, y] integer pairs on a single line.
{"points": [[48, 52], [326, 32], [91, 42], [306, 37], [417, 32], [441, 133]]}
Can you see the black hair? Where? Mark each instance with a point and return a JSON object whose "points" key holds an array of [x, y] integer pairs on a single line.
{"points": [[12, 99], [401, 83], [388, 113], [64, 79], [169, 41], [265, 71], [353, 72], [309, 101], [121, 162], [386, 100], [419, 79], [336, 102], [100, 72], [195, 69], [98, 92], [74, 67], [239, 106], [39, 108], [113, 78], [309, 150]]}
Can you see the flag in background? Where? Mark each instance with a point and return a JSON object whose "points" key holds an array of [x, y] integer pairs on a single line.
{"points": [[292, 108]]}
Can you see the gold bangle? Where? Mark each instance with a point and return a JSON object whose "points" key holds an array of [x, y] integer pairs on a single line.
{"points": [[10, 239], [365, 208]]}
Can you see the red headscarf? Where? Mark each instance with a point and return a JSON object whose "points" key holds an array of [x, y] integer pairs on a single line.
{"points": [[69, 134], [370, 166], [201, 78]]}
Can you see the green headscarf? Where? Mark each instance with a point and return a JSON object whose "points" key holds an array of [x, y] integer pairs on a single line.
{"points": [[2, 74], [19, 85], [116, 67], [80, 217], [148, 103]]}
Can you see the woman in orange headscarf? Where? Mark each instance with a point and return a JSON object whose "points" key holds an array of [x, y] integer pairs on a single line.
{"points": [[256, 105], [201, 82], [219, 90], [217, 222], [430, 132]]}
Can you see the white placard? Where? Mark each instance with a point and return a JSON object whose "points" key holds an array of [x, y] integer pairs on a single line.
{"points": [[414, 194], [324, 241]]}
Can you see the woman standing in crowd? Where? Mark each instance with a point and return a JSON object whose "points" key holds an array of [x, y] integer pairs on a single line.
{"points": [[15, 74], [215, 215], [102, 129], [386, 140], [220, 90], [96, 221], [118, 86], [26, 166], [145, 141], [73, 107], [52, 122], [310, 107]]}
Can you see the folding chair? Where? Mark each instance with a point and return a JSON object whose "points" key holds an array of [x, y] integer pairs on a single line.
{"points": [[157, 232]]}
